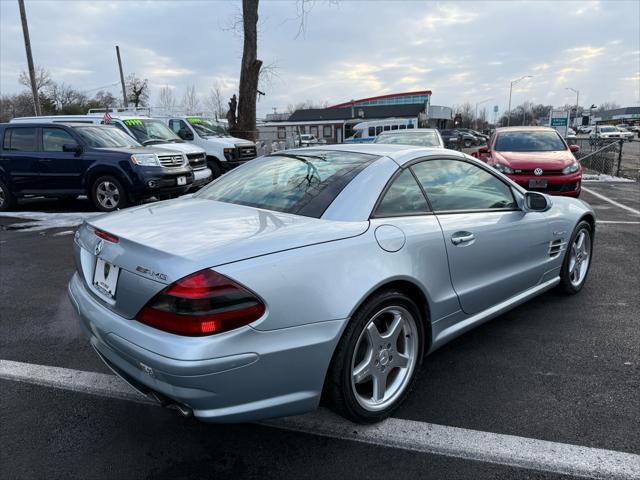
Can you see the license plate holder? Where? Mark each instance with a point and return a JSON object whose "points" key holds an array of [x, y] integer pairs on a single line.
{"points": [[181, 180], [105, 278], [538, 183]]}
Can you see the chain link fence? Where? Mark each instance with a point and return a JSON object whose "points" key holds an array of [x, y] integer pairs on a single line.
{"points": [[600, 156]]}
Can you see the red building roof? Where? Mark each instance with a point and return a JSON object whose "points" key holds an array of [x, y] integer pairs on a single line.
{"points": [[379, 97]]}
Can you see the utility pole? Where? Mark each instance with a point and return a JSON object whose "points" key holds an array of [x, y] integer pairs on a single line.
{"points": [[32, 70], [476, 117], [514, 82], [124, 90], [577, 92]]}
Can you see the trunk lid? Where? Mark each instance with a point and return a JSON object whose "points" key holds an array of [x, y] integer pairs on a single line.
{"points": [[166, 241]]}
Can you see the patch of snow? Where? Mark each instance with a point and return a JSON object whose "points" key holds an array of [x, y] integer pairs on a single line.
{"points": [[604, 178], [43, 221], [65, 232]]}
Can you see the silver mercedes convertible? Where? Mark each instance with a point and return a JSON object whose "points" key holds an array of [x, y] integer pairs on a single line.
{"points": [[320, 273]]}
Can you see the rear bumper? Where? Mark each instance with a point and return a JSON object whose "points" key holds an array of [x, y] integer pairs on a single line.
{"points": [[238, 376], [564, 185]]}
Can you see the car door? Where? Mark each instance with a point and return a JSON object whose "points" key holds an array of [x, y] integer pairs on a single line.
{"points": [[20, 158], [495, 250], [403, 222], [60, 170]]}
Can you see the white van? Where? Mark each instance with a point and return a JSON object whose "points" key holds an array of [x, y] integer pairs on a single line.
{"points": [[224, 152], [148, 131], [365, 132]]}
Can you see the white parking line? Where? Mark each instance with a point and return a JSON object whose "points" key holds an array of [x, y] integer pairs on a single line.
{"points": [[612, 202], [615, 222], [409, 435]]}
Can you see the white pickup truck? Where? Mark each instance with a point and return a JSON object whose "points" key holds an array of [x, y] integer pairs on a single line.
{"points": [[153, 132], [224, 152]]}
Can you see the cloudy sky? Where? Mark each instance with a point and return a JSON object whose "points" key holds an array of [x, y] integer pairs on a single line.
{"points": [[462, 51]]}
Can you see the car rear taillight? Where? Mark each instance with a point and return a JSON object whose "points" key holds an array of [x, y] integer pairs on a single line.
{"points": [[203, 303], [107, 236]]}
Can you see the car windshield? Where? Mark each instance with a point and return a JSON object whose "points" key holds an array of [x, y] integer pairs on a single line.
{"points": [[419, 139], [106, 137], [608, 129], [299, 182], [205, 128], [151, 131], [529, 142]]}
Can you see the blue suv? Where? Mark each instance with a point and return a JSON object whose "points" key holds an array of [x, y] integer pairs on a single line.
{"points": [[65, 160]]}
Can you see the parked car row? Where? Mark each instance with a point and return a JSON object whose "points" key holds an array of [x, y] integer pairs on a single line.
{"points": [[463, 137], [139, 156]]}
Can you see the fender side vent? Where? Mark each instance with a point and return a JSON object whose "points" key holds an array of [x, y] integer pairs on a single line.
{"points": [[556, 247]]}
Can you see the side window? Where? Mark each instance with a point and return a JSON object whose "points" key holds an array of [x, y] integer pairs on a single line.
{"points": [[403, 197], [453, 185], [394, 127], [314, 131], [402, 127], [386, 128], [54, 138], [410, 125], [20, 139], [174, 125], [378, 130], [372, 131]]}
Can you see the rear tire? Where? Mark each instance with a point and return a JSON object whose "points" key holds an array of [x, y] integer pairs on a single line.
{"points": [[108, 194], [374, 366], [7, 199], [577, 259]]}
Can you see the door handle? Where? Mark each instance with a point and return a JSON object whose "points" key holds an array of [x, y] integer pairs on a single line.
{"points": [[462, 237]]}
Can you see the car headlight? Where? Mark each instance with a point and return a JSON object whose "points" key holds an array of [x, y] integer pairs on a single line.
{"points": [[146, 159], [571, 168], [229, 151], [502, 168]]}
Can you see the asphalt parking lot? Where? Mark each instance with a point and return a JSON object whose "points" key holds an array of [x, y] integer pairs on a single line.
{"points": [[557, 369]]}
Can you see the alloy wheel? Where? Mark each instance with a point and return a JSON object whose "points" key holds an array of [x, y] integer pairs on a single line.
{"points": [[384, 358], [579, 257], [108, 194]]}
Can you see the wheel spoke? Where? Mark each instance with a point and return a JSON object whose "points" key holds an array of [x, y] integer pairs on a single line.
{"points": [[373, 335], [394, 330], [400, 360], [363, 370], [580, 241], [379, 387]]}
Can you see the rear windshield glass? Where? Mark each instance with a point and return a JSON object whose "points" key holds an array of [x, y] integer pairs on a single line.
{"points": [[423, 139], [303, 182], [529, 142], [106, 137]]}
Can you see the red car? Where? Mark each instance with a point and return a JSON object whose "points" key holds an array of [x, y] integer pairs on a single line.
{"points": [[537, 158]]}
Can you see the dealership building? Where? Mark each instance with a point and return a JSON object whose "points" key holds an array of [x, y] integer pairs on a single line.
{"points": [[335, 123]]}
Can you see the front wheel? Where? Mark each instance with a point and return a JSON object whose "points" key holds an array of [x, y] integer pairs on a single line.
{"points": [[108, 194], [214, 166], [577, 259], [375, 363], [7, 200]]}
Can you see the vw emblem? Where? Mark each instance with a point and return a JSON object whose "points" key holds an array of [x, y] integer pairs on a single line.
{"points": [[538, 171], [99, 246]]}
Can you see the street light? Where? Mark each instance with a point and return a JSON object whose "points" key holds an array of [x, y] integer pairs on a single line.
{"points": [[577, 92], [514, 82], [476, 117]]}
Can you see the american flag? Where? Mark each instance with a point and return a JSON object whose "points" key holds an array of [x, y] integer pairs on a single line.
{"points": [[106, 118]]}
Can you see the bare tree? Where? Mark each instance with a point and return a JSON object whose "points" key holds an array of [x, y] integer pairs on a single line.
{"points": [[190, 101], [105, 100], [214, 102], [306, 105], [609, 105], [64, 96], [138, 89], [43, 79], [249, 71], [167, 100]]}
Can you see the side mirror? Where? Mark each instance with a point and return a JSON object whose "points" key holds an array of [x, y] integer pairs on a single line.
{"points": [[72, 147], [536, 202], [574, 148], [185, 134]]}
